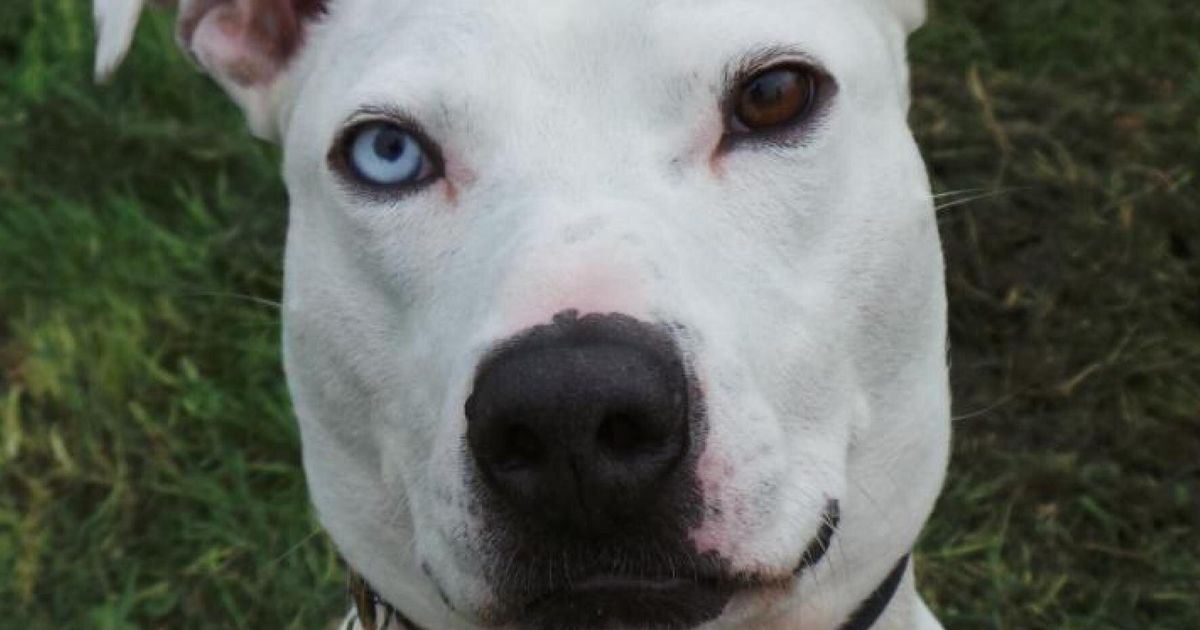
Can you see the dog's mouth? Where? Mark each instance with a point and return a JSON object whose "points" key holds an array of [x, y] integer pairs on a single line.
{"points": [[618, 602], [674, 599]]}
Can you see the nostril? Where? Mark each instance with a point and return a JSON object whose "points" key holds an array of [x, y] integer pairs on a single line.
{"points": [[628, 434], [619, 434], [520, 449]]}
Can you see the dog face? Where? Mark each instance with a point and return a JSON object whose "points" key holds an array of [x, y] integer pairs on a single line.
{"points": [[625, 309]]}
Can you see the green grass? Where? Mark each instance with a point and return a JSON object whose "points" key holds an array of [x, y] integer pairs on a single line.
{"points": [[149, 469]]}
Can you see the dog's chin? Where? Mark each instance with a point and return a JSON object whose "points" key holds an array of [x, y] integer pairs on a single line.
{"points": [[614, 602]]}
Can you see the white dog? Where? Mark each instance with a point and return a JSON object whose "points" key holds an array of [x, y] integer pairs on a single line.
{"points": [[602, 313]]}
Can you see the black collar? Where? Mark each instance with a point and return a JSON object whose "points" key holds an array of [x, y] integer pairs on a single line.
{"points": [[873, 606], [369, 605]]}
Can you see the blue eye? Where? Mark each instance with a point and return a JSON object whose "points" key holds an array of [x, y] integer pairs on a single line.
{"points": [[383, 154]]}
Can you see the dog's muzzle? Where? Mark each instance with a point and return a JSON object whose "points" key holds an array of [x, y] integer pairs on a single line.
{"points": [[583, 435]]}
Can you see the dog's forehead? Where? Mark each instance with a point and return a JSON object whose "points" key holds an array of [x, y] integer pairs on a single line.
{"points": [[495, 79], [568, 39]]}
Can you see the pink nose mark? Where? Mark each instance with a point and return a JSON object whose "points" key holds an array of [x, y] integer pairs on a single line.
{"points": [[716, 533], [587, 289]]}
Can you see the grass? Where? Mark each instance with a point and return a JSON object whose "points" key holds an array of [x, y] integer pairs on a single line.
{"points": [[149, 471]]}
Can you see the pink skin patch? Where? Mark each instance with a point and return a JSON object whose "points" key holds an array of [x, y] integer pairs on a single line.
{"points": [[588, 289], [706, 146], [714, 472], [458, 176], [717, 533]]}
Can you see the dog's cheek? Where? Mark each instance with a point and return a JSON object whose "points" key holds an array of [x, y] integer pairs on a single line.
{"points": [[755, 482], [448, 557], [779, 405]]}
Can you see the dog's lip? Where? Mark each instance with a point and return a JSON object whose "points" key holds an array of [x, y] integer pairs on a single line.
{"points": [[702, 597], [813, 554], [620, 582], [819, 546], [637, 584], [673, 602]]}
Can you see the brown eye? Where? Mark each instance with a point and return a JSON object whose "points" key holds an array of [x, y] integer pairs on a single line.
{"points": [[774, 98]]}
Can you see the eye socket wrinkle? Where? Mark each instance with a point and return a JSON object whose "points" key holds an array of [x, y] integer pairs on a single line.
{"points": [[755, 61]]}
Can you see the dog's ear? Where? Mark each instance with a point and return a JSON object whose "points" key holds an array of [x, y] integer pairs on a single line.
{"points": [[245, 45], [910, 12], [115, 22]]}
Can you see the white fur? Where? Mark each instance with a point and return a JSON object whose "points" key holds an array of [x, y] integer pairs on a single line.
{"points": [[579, 138], [911, 13], [116, 21]]}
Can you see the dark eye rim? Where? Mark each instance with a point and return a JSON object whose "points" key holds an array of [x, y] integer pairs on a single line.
{"points": [[340, 163], [786, 134]]}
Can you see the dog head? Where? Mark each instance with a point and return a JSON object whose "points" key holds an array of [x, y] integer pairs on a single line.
{"points": [[600, 313]]}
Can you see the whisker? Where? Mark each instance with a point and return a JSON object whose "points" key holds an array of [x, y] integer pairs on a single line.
{"points": [[961, 191], [988, 194], [296, 547], [1003, 400], [253, 299]]}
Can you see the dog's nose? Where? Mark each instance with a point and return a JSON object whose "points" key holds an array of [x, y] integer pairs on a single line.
{"points": [[579, 424]]}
